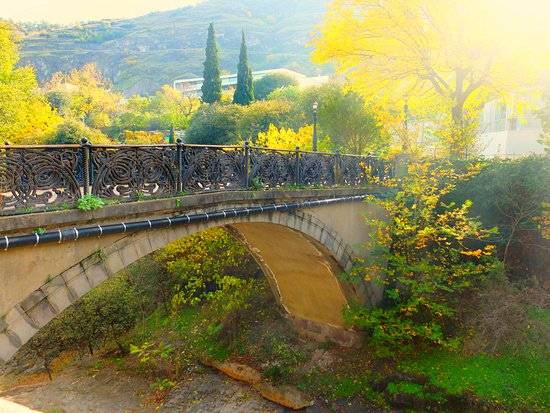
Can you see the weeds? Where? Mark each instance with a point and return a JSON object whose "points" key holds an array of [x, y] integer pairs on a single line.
{"points": [[89, 203]]}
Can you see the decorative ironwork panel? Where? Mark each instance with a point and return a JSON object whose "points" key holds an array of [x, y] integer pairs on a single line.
{"points": [[378, 168], [317, 168], [353, 169], [38, 177], [132, 172], [272, 168], [210, 168]]}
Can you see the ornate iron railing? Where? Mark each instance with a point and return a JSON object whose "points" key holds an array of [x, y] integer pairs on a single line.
{"points": [[37, 178]]}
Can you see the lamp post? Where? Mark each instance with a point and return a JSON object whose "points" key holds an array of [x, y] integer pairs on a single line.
{"points": [[406, 145], [315, 107]]}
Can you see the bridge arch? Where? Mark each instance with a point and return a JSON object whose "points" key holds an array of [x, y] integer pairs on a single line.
{"points": [[301, 253]]}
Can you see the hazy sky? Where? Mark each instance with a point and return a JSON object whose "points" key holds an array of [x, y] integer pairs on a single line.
{"points": [[70, 11]]}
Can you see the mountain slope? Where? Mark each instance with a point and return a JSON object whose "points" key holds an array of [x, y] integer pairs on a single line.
{"points": [[141, 54]]}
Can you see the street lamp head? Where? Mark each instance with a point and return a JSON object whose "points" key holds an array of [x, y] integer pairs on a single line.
{"points": [[315, 106]]}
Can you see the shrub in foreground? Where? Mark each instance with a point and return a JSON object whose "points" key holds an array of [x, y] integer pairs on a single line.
{"points": [[431, 254]]}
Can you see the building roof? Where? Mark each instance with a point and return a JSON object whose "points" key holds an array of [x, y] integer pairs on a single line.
{"points": [[227, 80]]}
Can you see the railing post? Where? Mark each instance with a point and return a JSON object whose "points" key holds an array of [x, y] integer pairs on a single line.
{"points": [[246, 166], [85, 147], [297, 166], [179, 161], [370, 165], [400, 166], [338, 176]]}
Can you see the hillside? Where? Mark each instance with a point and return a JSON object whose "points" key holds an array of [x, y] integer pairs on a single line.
{"points": [[139, 55]]}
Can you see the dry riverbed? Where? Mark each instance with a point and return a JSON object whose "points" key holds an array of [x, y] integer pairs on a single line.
{"points": [[85, 385]]}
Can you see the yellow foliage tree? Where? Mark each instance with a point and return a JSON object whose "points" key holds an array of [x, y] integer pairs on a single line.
{"points": [[25, 116], [276, 138], [444, 54], [85, 95], [143, 137]]}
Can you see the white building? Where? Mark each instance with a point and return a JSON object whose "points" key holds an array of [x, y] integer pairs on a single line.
{"points": [[192, 87], [504, 133]]}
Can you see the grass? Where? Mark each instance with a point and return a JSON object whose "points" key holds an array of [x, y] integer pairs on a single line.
{"points": [[335, 386], [416, 390], [515, 381], [179, 328]]}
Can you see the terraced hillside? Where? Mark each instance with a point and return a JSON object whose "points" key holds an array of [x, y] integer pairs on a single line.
{"points": [[141, 54]]}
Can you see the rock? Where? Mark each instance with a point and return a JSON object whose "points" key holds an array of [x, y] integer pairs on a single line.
{"points": [[287, 396], [236, 371]]}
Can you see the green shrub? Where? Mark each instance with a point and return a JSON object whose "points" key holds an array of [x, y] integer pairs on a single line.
{"points": [[204, 263], [215, 124], [224, 124], [72, 131], [267, 84], [429, 255], [513, 195]]}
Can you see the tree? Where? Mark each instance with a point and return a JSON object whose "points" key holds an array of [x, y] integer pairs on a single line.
{"points": [[442, 54], [343, 116], [71, 131], [174, 109], [514, 196], [431, 253], [286, 138], [544, 116], [25, 116], [137, 115], [269, 83], [168, 109], [259, 115], [232, 123], [142, 137], [84, 94], [202, 263], [212, 84], [215, 124], [48, 343], [244, 93]]}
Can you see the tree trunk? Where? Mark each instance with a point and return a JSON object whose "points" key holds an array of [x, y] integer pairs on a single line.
{"points": [[120, 347], [457, 113]]}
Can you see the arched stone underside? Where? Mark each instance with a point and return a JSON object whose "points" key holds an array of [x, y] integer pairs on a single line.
{"points": [[301, 256]]}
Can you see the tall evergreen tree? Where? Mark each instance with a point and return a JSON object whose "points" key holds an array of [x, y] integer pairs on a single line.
{"points": [[212, 84], [244, 94]]}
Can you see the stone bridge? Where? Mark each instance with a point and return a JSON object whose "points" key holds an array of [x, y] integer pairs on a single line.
{"points": [[302, 238]]}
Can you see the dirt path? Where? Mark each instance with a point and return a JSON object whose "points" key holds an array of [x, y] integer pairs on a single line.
{"points": [[80, 389], [84, 387]]}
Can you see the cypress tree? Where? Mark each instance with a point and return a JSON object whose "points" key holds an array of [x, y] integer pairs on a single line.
{"points": [[244, 94], [212, 84]]}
